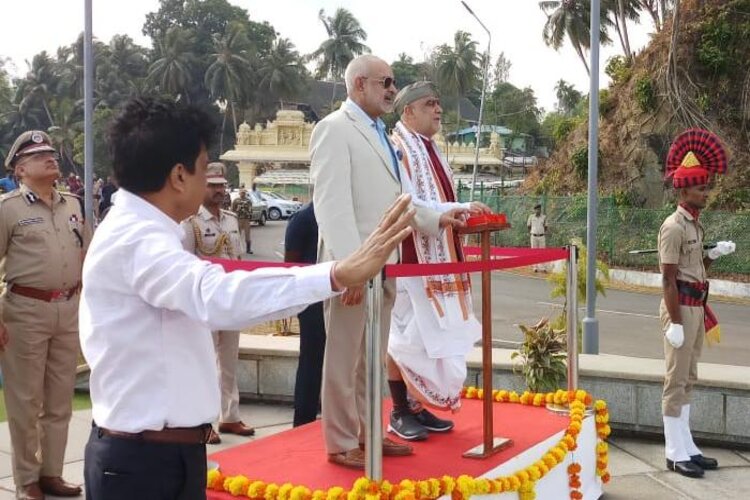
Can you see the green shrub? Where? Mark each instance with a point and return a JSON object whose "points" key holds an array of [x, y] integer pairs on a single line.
{"points": [[580, 161], [715, 46], [645, 94], [618, 69]]}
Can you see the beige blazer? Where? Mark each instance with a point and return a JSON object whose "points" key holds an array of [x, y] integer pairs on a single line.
{"points": [[354, 184]]}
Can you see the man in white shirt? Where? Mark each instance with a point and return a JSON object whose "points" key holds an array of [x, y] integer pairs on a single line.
{"points": [[537, 226], [146, 329]]}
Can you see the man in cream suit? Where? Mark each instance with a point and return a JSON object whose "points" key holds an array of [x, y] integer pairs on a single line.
{"points": [[355, 172]]}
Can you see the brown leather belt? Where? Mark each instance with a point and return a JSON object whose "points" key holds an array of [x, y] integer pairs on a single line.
{"points": [[46, 295], [171, 435]]}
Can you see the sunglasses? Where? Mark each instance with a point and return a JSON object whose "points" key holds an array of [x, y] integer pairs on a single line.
{"points": [[26, 157], [386, 82]]}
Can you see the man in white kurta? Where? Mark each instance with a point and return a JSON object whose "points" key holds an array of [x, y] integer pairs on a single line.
{"points": [[432, 325]]}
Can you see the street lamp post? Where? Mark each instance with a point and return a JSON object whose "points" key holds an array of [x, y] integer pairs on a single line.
{"points": [[481, 101], [590, 323], [88, 117]]}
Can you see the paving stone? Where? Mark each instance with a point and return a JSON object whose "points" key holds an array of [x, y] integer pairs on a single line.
{"points": [[639, 487], [649, 452], [738, 416], [6, 466], [622, 463], [78, 434], [731, 483]]}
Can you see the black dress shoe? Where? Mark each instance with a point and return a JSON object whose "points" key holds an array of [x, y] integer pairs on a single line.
{"points": [[705, 463], [405, 425], [433, 423], [686, 468]]}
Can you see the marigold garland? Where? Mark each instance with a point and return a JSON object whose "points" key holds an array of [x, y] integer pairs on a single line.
{"points": [[459, 488]]}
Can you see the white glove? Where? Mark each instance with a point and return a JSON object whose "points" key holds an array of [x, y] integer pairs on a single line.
{"points": [[721, 248], [675, 335]]}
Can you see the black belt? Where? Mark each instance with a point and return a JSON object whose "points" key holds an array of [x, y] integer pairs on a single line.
{"points": [[170, 435], [532, 234]]}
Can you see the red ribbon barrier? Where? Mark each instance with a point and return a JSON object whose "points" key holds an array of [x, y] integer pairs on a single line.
{"points": [[513, 257], [510, 257]]}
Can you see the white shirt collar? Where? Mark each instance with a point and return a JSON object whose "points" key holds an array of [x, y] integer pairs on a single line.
{"points": [[132, 202]]}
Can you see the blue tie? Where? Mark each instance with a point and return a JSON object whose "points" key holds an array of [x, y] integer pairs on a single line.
{"points": [[387, 144]]}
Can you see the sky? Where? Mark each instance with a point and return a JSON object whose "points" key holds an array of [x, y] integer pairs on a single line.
{"points": [[413, 27]]}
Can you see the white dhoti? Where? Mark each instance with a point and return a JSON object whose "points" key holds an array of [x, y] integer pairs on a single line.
{"points": [[430, 353]]}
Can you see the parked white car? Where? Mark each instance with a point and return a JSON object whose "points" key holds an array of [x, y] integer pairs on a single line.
{"points": [[278, 206]]}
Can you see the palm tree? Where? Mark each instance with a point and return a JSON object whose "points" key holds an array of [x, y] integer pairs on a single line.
{"points": [[68, 114], [39, 86], [123, 68], [281, 72], [622, 11], [571, 19], [457, 68], [344, 43], [567, 97], [171, 72], [228, 71]]}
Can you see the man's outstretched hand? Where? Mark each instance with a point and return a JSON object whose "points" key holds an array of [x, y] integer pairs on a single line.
{"points": [[370, 258]]}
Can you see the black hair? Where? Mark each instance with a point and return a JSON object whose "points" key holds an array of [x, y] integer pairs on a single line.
{"points": [[150, 136]]}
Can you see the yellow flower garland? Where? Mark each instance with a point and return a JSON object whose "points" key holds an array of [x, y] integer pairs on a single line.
{"points": [[464, 486]]}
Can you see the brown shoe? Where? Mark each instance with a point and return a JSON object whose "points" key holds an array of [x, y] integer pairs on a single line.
{"points": [[393, 449], [213, 438], [236, 428], [31, 491], [353, 459], [58, 487]]}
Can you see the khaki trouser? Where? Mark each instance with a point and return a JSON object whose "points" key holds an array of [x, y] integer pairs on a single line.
{"points": [[39, 372], [682, 364], [245, 231], [344, 376], [538, 242], [227, 346]]}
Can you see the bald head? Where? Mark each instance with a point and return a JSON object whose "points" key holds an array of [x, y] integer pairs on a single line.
{"points": [[370, 84], [362, 65]]}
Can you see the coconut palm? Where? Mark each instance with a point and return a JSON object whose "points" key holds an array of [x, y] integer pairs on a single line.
{"points": [[344, 43], [567, 97], [122, 70], [571, 19], [39, 86], [619, 12], [281, 73], [457, 68], [171, 72], [228, 71], [68, 119]]}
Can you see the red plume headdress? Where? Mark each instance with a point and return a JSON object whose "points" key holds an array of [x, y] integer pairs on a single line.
{"points": [[694, 156]]}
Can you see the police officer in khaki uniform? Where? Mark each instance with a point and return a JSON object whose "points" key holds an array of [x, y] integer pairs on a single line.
{"points": [[214, 232], [43, 240], [537, 227], [243, 207], [685, 315]]}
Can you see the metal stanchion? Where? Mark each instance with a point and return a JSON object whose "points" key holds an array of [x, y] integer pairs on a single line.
{"points": [[572, 313], [374, 389]]}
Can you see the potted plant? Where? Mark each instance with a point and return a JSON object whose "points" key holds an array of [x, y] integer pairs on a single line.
{"points": [[542, 357]]}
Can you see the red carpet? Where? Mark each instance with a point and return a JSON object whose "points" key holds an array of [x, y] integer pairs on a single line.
{"points": [[298, 455]]}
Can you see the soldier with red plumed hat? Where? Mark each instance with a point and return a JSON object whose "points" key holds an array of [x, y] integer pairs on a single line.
{"points": [[694, 157]]}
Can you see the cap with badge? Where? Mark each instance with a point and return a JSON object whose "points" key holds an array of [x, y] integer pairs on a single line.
{"points": [[413, 92], [215, 173], [694, 156], [30, 142]]}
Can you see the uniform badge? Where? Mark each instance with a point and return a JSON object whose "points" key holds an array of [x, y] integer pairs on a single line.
{"points": [[36, 137], [74, 223], [32, 220]]}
